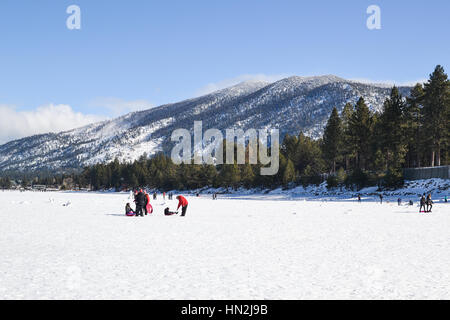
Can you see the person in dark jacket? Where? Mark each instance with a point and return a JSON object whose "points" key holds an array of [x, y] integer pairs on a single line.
{"points": [[422, 204], [429, 203], [167, 212], [381, 198], [140, 203], [183, 203]]}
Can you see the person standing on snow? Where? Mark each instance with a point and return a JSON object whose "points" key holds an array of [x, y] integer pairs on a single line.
{"points": [[183, 203], [147, 203], [140, 203], [148, 206], [429, 203], [381, 198], [422, 204]]}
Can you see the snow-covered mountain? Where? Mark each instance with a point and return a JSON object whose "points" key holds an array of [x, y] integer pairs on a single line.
{"points": [[293, 104]]}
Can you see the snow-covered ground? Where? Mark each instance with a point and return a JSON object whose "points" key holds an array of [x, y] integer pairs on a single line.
{"points": [[238, 247]]}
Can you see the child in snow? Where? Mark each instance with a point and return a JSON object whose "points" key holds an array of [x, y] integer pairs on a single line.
{"points": [[168, 213], [129, 211]]}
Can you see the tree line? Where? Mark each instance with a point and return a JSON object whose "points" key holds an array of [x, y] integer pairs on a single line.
{"points": [[408, 132]]}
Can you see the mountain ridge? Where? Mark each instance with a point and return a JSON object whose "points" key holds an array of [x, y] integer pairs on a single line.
{"points": [[291, 104]]}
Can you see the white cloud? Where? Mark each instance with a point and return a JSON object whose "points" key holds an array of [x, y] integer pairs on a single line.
{"points": [[16, 124], [118, 107], [214, 86]]}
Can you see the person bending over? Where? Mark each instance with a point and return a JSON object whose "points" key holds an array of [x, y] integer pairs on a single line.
{"points": [[183, 203]]}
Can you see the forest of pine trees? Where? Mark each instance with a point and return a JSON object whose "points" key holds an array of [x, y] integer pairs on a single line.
{"points": [[359, 148]]}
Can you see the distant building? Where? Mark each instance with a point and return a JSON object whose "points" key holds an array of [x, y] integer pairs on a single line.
{"points": [[39, 187], [442, 172]]}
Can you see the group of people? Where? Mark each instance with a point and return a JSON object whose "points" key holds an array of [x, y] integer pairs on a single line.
{"points": [[143, 206], [170, 196], [426, 203]]}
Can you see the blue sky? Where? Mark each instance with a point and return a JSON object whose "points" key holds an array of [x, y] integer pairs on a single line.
{"points": [[141, 52]]}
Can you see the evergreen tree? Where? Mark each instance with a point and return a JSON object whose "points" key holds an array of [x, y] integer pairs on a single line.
{"points": [[413, 130], [289, 173], [436, 114], [392, 123], [348, 151], [360, 130], [247, 175], [5, 183], [332, 139]]}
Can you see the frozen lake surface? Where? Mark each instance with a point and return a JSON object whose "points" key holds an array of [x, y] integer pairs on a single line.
{"points": [[241, 247]]}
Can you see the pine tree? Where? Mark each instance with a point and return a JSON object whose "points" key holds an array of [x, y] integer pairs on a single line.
{"points": [[360, 130], [332, 139], [413, 130], [436, 113], [289, 173], [347, 149], [247, 175], [392, 123]]}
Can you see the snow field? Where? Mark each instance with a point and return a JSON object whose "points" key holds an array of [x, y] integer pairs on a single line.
{"points": [[257, 247]]}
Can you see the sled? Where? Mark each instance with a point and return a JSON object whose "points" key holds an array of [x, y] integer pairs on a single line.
{"points": [[131, 214]]}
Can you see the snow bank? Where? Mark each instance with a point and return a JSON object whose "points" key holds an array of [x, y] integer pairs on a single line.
{"points": [[412, 190]]}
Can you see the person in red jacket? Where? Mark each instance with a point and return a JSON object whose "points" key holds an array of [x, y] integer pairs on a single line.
{"points": [[183, 203], [148, 206]]}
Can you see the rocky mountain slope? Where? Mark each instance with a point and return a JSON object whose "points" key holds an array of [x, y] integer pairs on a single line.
{"points": [[292, 104]]}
